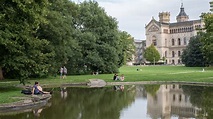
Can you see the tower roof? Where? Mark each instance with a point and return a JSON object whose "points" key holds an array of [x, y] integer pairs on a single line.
{"points": [[182, 12]]}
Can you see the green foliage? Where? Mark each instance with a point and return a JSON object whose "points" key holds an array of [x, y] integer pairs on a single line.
{"points": [[152, 89], [22, 54], [98, 38], [151, 54], [59, 32], [192, 55], [207, 38], [127, 48], [201, 97], [38, 37]]}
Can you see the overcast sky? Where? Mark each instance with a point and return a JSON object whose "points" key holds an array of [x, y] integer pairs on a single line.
{"points": [[132, 15]]}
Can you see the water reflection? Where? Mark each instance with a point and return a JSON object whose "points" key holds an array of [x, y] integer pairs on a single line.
{"points": [[37, 112], [126, 102], [64, 92], [168, 101], [119, 88]]}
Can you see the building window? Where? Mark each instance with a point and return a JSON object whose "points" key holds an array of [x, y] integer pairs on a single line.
{"points": [[179, 53], [179, 61], [173, 41], [173, 61], [173, 53], [180, 97], [184, 41], [165, 53], [179, 42], [173, 97], [154, 41], [165, 30]]}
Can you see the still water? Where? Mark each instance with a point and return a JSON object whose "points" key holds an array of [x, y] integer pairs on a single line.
{"points": [[172, 101]]}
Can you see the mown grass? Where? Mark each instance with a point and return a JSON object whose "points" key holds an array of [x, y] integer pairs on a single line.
{"points": [[9, 94], [145, 73]]}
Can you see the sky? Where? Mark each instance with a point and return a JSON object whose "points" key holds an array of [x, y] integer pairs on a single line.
{"points": [[133, 15]]}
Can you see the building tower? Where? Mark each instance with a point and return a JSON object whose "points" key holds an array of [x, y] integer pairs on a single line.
{"points": [[182, 16], [164, 17]]}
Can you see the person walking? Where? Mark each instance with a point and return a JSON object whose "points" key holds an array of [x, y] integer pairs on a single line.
{"points": [[64, 72], [61, 72]]}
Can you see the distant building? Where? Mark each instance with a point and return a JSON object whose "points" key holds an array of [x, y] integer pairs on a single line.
{"points": [[211, 6], [171, 38], [140, 47]]}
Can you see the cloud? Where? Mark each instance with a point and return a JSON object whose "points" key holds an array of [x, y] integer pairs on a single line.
{"points": [[132, 15]]}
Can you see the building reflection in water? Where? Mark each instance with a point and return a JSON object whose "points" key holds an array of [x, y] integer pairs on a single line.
{"points": [[170, 101]]}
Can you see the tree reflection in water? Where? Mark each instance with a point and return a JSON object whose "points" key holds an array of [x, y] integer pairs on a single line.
{"points": [[163, 101], [202, 98], [84, 103]]}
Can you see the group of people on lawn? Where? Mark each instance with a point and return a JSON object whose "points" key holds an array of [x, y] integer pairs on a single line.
{"points": [[116, 77]]}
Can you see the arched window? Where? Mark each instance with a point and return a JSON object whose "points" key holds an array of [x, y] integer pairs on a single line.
{"points": [[173, 41], [179, 42], [154, 40], [173, 53], [179, 53]]}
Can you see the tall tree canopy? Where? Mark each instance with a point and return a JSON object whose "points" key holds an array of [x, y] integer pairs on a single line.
{"points": [[127, 48], [193, 55], [151, 54], [38, 37], [207, 38], [22, 53], [59, 31], [98, 38]]}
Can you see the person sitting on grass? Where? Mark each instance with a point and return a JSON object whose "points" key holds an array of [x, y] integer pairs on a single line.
{"points": [[115, 77], [38, 90], [122, 77]]}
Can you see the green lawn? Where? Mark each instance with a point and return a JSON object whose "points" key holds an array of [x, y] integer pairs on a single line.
{"points": [[9, 94], [145, 73]]}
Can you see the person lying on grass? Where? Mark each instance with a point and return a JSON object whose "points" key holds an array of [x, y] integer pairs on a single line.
{"points": [[38, 90]]}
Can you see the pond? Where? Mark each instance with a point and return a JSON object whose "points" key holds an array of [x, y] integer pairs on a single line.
{"points": [[172, 101]]}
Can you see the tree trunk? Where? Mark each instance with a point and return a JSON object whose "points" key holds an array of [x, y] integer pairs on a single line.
{"points": [[1, 74]]}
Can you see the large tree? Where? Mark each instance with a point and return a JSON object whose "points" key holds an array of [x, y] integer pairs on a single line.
{"points": [[22, 53], [151, 54], [192, 55], [207, 38], [37, 37], [98, 38], [60, 31], [127, 48]]}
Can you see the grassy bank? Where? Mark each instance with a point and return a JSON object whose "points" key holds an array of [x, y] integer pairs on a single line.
{"points": [[144, 73]]}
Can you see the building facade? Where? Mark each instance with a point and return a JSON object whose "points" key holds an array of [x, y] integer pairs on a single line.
{"points": [[171, 38], [211, 6], [139, 50]]}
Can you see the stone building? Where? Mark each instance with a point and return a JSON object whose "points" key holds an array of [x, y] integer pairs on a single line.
{"points": [[211, 6], [139, 50], [171, 38]]}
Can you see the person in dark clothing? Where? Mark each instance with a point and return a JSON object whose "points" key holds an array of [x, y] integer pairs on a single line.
{"points": [[38, 90]]}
